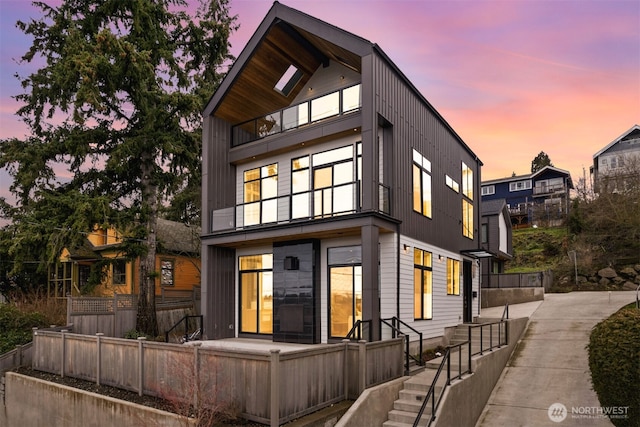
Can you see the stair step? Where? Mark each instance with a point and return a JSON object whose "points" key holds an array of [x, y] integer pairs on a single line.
{"points": [[407, 417], [396, 424]]}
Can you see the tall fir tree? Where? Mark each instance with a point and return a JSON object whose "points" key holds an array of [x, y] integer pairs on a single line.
{"points": [[540, 161], [114, 115]]}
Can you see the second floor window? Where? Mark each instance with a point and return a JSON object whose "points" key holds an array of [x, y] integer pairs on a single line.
{"points": [[421, 184], [488, 189], [467, 181], [467, 219], [120, 272], [520, 185], [260, 195]]}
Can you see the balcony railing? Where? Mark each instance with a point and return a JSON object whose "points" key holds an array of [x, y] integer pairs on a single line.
{"points": [[311, 205], [332, 104], [549, 189]]}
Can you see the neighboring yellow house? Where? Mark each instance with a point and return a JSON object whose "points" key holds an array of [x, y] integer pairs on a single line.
{"points": [[177, 262]]}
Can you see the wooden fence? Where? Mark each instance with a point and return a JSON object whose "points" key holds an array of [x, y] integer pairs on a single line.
{"points": [[115, 316], [270, 387], [20, 356]]}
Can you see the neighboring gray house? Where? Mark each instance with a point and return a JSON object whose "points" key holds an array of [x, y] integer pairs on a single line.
{"points": [[617, 165], [496, 238], [332, 192]]}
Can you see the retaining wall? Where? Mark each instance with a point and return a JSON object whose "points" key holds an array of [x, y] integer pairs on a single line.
{"points": [[499, 297]]}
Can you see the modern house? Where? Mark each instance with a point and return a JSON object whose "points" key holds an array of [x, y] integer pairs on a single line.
{"points": [[540, 198], [177, 261], [332, 192], [617, 165], [496, 238]]}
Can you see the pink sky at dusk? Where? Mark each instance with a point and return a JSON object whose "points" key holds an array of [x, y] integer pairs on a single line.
{"points": [[512, 77]]}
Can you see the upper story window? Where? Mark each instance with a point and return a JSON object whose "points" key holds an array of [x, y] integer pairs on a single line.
{"points": [[488, 190], [166, 272], [325, 183], [452, 184], [520, 185], [467, 219], [467, 181], [119, 272], [421, 184], [260, 195]]}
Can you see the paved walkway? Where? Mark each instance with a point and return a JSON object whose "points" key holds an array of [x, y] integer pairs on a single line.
{"points": [[550, 366]]}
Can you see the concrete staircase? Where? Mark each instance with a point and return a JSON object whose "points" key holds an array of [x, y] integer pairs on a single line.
{"points": [[406, 407]]}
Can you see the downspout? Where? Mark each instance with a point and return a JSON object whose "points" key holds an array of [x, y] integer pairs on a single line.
{"points": [[398, 273]]}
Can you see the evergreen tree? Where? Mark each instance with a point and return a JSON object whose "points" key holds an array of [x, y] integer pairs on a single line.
{"points": [[541, 160], [115, 118]]}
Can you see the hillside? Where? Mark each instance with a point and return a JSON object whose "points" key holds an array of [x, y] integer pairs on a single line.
{"points": [[537, 249]]}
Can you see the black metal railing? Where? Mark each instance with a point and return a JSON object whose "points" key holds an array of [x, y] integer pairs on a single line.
{"points": [[328, 105], [500, 328], [192, 329], [358, 329], [395, 324], [431, 398]]}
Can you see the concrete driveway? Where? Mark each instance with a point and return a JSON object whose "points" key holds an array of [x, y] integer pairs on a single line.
{"points": [[547, 381]]}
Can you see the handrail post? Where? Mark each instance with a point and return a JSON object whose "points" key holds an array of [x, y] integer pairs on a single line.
{"points": [[470, 357], [491, 336], [420, 356], [481, 340], [448, 367], [406, 355]]}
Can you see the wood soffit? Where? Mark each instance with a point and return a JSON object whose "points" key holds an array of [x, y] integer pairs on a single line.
{"points": [[252, 95]]}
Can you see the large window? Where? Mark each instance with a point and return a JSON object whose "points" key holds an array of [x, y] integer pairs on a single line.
{"points": [[345, 289], [467, 219], [422, 284], [421, 184], [467, 181], [453, 277], [300, 197], [333, 182], [260, 195], [256, 293]]}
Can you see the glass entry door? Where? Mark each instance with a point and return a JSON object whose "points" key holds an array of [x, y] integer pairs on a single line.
{"points": [[345, 298]]}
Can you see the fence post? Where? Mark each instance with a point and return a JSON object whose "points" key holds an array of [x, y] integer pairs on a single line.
{"points": [[345, 368], [115, 314], [69, 308], [275, 389], [98, 356], [141, 341], [62, 352], [196, 376], [362, 366]]}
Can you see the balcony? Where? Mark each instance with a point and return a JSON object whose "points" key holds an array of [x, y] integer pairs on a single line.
{"points": [[548, 189], [311, 205], [333, 104]]}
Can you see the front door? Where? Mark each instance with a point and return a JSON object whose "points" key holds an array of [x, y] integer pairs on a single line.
{"points": [[467, 289]]}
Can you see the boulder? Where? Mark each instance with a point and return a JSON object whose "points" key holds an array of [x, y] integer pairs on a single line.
{"points": [[604, 282], [628, 272], [628, 286], [607, 273]]}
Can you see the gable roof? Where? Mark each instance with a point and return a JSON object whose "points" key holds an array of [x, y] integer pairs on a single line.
{"points": [[633, 128], [532, 176], [268, 53], [492, 207]]}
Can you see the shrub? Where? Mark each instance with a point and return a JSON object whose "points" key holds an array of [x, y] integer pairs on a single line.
{"points": [[614, 360], [16, 326]]}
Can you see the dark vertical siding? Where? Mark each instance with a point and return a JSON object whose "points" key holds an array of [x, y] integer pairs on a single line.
{"points": [[415, 125], [218, 299]]}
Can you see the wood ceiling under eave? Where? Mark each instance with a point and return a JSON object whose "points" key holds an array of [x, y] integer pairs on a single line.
{"points": [[252, 95]]}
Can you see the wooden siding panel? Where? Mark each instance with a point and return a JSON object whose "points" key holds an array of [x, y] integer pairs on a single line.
{"points": [[417, 126]]}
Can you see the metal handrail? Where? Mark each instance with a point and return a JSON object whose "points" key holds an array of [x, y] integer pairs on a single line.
{"points": [[187, 335], [395, 320], [446, 358], [357, 326], [395, 330], [505, 312], [490, 325]]}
